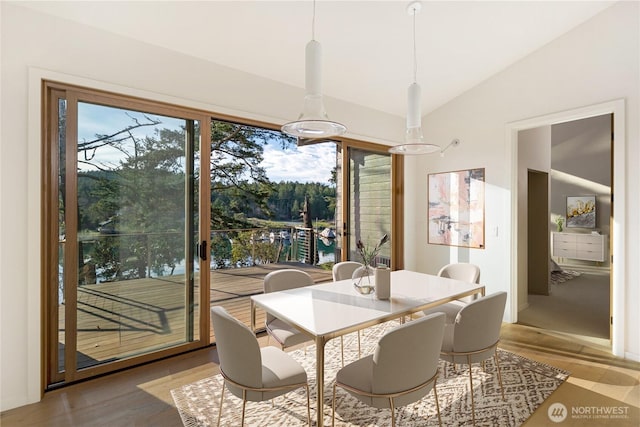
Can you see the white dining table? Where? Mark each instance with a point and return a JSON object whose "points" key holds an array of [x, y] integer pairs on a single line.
{"points": [[329, 310]]}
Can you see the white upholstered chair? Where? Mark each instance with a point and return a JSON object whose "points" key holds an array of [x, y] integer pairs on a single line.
{"points": [[402, 370], [474, 336], [280, 280], [464, 272], [252, 373], [344, 270]]}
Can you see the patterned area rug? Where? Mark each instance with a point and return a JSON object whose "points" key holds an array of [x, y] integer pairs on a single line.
{"points": [[526, 385], [561, 276]]}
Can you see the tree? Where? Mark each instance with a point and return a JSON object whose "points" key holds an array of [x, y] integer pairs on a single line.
{"points": [[220, 250], [141, 200], [236, 153], [137, 202]]}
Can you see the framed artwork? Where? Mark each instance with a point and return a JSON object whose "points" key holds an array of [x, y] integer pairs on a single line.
{"points": [[456, 208], [581, 211]]}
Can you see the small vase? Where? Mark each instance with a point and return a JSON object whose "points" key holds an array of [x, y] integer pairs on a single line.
{"points": [[364, 282], [383, 282], [365, 274]]}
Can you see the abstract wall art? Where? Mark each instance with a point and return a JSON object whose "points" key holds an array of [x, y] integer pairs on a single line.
{"points": [[581, 211], [456, 208]]}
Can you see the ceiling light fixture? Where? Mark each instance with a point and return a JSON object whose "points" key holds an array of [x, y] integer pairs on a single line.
{"points": [[313, 122], [414, 140]]}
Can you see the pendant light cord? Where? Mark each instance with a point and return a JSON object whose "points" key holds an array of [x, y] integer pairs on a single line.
{"points": [[313, 22], [415, 55]]}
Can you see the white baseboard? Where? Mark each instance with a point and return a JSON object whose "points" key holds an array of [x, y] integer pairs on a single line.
{"points": [[632, 356], [586, 268]]}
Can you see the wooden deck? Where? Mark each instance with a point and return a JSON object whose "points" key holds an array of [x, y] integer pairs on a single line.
{"points": [[121, 319]]}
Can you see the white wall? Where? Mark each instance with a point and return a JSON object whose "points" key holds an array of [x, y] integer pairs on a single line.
{"points": [[534, 152], [581, 165], [582, 148], [595, 63], [36, 46]]}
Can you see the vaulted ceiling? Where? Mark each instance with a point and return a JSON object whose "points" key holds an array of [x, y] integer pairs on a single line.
{"points": [[367, 45]]}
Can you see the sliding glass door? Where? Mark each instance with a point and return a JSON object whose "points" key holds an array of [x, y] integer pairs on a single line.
{"points": [[131, 192], [367, 208], [127, 280], [369, 201]]}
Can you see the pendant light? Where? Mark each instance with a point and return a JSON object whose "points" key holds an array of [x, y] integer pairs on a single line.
{"points": [[414, 140], [313, 122]]}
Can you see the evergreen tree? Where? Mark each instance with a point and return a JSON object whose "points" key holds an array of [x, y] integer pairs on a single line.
{"points": [[236, 174]]}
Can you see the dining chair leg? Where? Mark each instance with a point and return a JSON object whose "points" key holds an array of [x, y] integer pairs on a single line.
{"points": [[333, 406], [435, 395], [244, 405], [495, 356], [308, 406], [393, 413], [342, 348], [473, 404], [221, 400]]}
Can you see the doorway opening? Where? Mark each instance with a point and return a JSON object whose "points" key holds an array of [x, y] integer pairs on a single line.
{"points": [[573, 293], [601, 269]]}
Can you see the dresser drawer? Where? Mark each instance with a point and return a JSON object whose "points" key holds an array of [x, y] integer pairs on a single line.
{"points": [[589, 239], [557, 246], [590, 255], [565, 252], [564, 238]]}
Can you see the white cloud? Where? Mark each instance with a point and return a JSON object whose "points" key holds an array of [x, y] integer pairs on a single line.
{"points": [[311, 163]]}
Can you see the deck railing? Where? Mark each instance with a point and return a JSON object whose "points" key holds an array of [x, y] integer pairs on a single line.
{"points": [[127, 256], [242, 247], [130, 292]]}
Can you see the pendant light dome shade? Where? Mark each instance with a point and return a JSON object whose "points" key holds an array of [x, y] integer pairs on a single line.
{"points": [[313, 122]]}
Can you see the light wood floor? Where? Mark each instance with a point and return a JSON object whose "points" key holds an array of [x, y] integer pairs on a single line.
{"points": [[598, 380], [141, 396]]}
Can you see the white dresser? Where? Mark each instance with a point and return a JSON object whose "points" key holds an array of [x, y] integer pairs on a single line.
{"points": [[588, 247]]}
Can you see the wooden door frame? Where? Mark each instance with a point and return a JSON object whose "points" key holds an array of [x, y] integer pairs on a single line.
{"points": [[397, 199], [49, 232]]}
